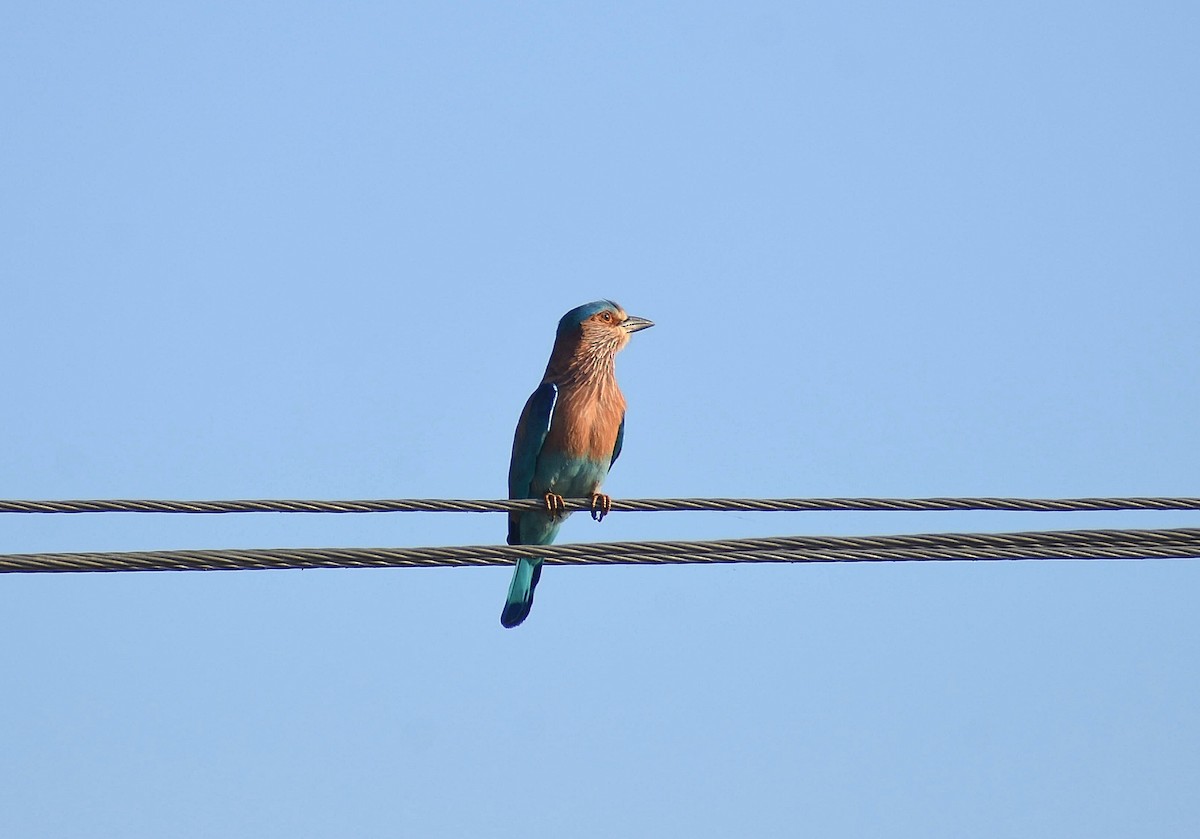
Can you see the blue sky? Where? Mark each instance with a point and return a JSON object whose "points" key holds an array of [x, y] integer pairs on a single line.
{"points": [[299, 250]]}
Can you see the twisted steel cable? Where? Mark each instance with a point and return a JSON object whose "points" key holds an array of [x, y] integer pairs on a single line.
{"points": [[1077, 544], [628, 505]]}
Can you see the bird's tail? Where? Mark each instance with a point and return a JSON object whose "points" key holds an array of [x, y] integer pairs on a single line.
{"points": [[520, 592]]}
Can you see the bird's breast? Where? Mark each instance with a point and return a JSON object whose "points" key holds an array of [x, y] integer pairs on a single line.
{"points": [[586, 422], [575, 457]]}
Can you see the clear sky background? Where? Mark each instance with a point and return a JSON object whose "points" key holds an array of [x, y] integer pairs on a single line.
{"points": [[319, 251]]}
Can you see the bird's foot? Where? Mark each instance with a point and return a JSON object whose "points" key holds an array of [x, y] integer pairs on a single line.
{"points": [[601, 506], [555, 505]]}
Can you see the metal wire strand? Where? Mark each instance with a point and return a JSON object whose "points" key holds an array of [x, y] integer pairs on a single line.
{"points": [[626, 505], [1178, 543]]}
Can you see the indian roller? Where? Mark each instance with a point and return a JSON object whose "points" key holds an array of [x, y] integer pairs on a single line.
{"points": [[569, 435]]}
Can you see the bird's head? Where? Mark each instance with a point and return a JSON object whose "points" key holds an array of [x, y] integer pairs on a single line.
{"points": [[601, 325]]}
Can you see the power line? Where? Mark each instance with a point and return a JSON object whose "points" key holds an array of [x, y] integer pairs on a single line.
{"points": [[626, 505], [1179, 543]]}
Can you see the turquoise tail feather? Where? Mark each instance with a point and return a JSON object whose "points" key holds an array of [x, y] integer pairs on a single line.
{"points": [[520, 592]]}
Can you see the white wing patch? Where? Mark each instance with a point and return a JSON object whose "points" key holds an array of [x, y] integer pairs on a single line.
{"points": [[553, 403]]}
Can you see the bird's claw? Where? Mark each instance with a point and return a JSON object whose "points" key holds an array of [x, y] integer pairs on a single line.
{"points": [[601, 506], [555, 505]]}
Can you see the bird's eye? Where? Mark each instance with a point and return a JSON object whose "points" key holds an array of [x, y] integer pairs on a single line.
{"points": [[607, 317]]}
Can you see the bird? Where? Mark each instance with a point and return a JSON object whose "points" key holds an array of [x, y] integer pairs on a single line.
{"points": [[569, 435]]}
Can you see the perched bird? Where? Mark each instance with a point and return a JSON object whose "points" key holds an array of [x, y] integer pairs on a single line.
{"points": [[569, 434]]}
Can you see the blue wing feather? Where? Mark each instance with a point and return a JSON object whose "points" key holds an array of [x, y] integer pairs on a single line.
{"points": [[532, 429], [620, 442], [531, 434]]}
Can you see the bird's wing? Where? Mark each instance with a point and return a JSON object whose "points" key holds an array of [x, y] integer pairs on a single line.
{"points": [[531, 433], [620, 441]]}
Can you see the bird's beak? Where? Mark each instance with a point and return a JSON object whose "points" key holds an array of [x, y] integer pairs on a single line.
{"points": [[632, 324]]}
